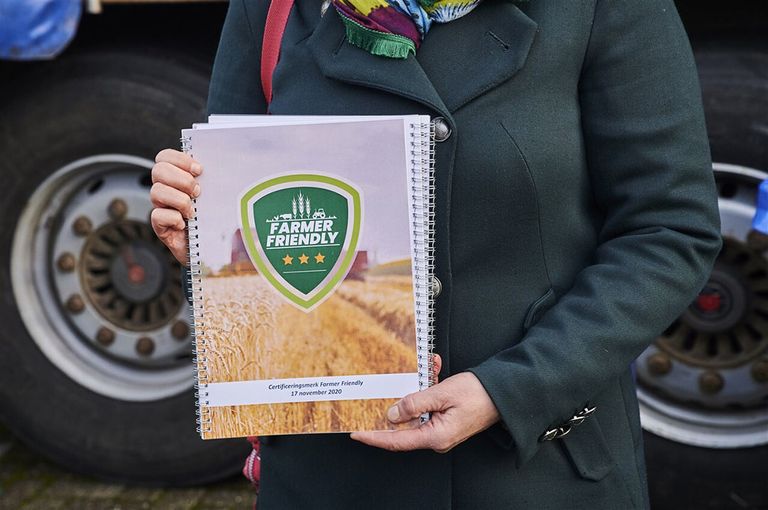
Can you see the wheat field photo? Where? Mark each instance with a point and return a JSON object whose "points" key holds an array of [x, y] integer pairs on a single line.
{"points": [[251, 333]]}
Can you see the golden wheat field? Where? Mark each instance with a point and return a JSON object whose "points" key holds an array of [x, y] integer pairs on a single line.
{"points": [[252, 333]]}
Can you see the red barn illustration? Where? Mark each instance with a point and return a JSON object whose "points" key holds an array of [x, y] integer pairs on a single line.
{"points": [[239, 261], [359, 266]]}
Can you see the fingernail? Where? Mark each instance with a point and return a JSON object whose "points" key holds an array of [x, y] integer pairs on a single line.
{"points": [[196, 191], [393, 414], [197, 168]]}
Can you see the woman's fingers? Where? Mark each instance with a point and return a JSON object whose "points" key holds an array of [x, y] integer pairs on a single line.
{"points": [[180, 160], [437, 365], [399, 440], [164, 196], [414, 405], [164, 219], [173, 188], [169, 226], [460, 408], [175, 177]]}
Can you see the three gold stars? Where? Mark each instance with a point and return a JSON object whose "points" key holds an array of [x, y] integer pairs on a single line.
{"points": [[303, 259]]}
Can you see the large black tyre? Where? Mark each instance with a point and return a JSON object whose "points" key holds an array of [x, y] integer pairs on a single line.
{"points": [[122, 102], [734, 83], [735, 92], [688, 477]]}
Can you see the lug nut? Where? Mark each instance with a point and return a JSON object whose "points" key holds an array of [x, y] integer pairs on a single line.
{"points": [[66, 262], [82, 226], [711, 382], [659, 364], [760, 371], [117, 209], [145, 346], [75, 303], [180, 330], [105, 336]]}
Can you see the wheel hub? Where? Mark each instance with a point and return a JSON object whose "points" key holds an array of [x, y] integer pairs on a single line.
{"points": [[720, 305], [726, 324], [99, 294], [703, 381], [124, 270], [709, 301]]}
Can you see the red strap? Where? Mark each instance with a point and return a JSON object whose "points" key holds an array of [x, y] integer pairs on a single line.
{"points": [[274, 27]]}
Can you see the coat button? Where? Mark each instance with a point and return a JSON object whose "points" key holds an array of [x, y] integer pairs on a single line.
{"points": [[442, 129], [437, 286]]}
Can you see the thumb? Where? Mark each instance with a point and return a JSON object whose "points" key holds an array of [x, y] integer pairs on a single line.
{"points": [[414, 405], [437, 365]]}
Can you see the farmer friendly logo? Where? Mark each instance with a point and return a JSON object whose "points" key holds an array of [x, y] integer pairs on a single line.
{"points": [[301, 232], [291, 229]]}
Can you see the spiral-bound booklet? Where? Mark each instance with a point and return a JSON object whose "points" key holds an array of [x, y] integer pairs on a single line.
{"points": [[311, 261]]}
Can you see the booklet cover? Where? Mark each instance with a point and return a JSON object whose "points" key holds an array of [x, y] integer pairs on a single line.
{"points": [[308, 259]]}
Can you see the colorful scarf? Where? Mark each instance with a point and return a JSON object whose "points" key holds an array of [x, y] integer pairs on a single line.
{"points": [[395, 28]]}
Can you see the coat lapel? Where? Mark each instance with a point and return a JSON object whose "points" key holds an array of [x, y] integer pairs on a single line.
{"points": [[473, 54], [340, 60], [457, 62]]}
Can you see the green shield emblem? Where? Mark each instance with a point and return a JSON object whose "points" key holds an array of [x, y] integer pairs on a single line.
{"points": [[301, 232]]}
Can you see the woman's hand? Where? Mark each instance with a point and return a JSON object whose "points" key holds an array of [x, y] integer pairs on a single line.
{"points": [[460, 408], [173, 188]]}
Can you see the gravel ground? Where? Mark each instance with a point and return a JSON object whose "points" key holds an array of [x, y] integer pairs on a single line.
{"points": [[28, 482]]}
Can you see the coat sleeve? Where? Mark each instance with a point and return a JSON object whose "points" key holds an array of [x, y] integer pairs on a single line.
{"points": [[236, 80], [651, 175]]}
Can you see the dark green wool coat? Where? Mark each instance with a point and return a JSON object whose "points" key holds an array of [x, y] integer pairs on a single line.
{"points": [[576, 218]]}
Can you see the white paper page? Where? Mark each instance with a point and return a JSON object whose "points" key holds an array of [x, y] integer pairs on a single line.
{"points": [[258, 120]]}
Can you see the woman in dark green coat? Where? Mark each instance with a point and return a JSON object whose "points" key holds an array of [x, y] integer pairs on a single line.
{"points": [[576, 218]]}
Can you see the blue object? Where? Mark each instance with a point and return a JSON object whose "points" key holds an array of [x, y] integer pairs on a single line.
{"points": [[760, 221], [37, 29]]}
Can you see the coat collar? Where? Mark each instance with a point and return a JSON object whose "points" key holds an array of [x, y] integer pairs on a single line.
{"points": [[457, 62]]}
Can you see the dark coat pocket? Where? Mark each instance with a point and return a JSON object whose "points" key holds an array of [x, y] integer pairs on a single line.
{"points": [[587, 451], [538, 307]]}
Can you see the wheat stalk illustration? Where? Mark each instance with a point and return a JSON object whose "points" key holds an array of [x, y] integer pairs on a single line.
{"points": [[301, 205]]}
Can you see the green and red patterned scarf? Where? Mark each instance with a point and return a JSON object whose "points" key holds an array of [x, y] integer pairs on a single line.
{"points": [[395, 28]]}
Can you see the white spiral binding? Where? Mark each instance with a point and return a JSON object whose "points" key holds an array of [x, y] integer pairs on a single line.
{"points": [[199, 342], [423, 223]]}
